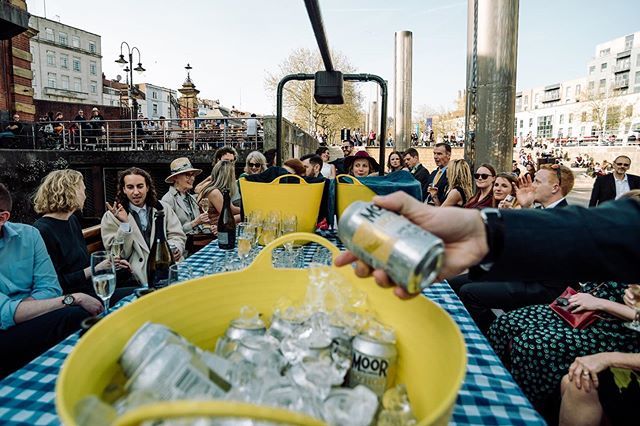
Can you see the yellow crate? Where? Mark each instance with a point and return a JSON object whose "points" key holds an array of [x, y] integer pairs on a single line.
{"points": [[431, 350], [348, 190]]}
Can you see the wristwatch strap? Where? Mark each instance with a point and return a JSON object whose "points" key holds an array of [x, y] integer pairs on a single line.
{"points": [[494, 228]]}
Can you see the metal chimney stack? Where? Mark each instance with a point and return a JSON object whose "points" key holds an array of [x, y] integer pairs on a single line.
{"points": [[492, 47], [402, 90]]}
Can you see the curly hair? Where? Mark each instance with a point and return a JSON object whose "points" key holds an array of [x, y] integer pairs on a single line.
{"points": [[152, 195], [58, 192]]}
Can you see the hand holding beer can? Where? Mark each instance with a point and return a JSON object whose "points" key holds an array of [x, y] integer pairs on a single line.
{"points": [[410, 255]]}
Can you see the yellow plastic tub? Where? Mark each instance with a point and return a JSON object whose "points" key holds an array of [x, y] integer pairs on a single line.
{"points": [[301, 199], [348, 190], [431, 351]]}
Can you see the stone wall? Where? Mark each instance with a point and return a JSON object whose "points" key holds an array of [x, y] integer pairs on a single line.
{"points": [[296, 142]]}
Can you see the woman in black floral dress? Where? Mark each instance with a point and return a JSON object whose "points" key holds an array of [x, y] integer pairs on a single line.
{"points": [[538, 346]]}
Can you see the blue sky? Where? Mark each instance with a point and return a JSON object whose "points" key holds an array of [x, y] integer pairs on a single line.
{"points": [[233, 44]]}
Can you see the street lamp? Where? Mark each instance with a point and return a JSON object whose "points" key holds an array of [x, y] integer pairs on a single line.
{"points": [[130, 69]]}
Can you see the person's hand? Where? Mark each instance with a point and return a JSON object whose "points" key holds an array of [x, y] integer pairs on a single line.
{"points": [[88, 303], [201, 218], [433, 190], [581, 302], [504, 204], [462, 231], [176, 253], [525, 192], [122, 264], [118, 211], [629, 299], [584, 370]]}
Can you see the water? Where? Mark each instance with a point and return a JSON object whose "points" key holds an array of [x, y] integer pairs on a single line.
{"points": [[104, 285]]}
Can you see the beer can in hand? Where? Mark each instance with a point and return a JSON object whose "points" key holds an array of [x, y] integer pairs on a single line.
{"points": [[410, 255]]}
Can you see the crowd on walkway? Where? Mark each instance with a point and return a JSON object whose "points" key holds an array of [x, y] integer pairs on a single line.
{"points": [[46, 288]]}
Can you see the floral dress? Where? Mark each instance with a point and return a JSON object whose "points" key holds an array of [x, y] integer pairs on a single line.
{"points": [[538, 346]]}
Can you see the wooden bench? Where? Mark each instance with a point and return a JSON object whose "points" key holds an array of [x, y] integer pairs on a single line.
{"points": [[93, 238]]}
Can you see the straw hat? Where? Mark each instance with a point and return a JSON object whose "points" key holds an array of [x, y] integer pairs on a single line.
{"points": [[179, 166], [373, 164]]}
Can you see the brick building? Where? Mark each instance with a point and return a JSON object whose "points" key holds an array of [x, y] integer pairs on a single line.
{"points": [[16, 92]]}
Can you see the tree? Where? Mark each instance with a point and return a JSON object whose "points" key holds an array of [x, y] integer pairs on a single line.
{"points": [[298, 102], [607, 110]]}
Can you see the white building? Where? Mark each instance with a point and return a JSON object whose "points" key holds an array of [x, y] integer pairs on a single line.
{"points": [[587, 107], [67, 63], [160, 101]]}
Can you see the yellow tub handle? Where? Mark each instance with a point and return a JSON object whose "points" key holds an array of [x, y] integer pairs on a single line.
{"points": [[354, 181], [277, 180], [177, 409], [263, 259]]}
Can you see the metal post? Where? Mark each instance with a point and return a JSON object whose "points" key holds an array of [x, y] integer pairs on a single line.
{"points": [[492, 37], [107, 137], [313, 10], [64, 138], [402, 91], [285, 79], [193, 124], [224, 131], [80, 128]]}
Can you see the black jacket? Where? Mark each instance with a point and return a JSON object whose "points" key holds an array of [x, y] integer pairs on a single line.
{"points": [[604, 188], [443, 186], [421, 174]]}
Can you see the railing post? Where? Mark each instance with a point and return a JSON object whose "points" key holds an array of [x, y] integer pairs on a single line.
{"points": [[64, 142], [80, 133], [193, 124], [107, 137], [33, 135], [135, 134], [224, 131]]}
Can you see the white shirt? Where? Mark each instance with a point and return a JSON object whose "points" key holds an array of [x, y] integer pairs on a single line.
{"points": [[552, 205], [252, 127], [622, 185], [142, 215]]}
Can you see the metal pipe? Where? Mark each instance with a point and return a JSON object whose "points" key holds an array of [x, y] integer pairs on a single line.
{"points": [[402, 90], [492, 38], [285, 80], [315, 16]]}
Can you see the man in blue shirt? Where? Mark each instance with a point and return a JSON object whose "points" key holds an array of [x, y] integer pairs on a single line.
{"points": [[34, 315]]}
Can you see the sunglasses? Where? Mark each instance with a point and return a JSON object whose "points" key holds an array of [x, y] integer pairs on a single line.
{"points": [[623, 164], [346, 148], [254, 165], [481, 175], [556, 167]]}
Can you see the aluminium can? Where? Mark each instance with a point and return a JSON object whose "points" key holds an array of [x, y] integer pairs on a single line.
{"points": [[145, 341], [373, 364], [410, 255]]}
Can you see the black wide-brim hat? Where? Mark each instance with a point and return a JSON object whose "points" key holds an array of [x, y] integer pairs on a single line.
{"points": [[373, 164]]}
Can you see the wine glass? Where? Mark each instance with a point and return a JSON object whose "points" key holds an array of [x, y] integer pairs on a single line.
{"points": [[245, 241], [103, 276], [289, 225], [117, 246], [635, 290], [204, 205], [179, 272], [269, 233]]}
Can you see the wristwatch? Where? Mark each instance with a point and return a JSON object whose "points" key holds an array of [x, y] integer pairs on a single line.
{"points": [[68, 300], [494, 228]]}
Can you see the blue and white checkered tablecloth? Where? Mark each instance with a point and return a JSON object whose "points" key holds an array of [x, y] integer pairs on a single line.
{"points": [[488, 395]]}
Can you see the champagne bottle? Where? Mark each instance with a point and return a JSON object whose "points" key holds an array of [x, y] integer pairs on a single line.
{"points": [[160, 258], [226, 224]]}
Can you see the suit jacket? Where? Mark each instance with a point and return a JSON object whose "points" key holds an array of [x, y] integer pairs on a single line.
{"points": [[571, 243], [604, 188], [443, 186], [421, 174], [176, 201], [136, 250]]}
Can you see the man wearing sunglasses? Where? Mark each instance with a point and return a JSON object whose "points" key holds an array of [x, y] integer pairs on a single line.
{"points": [[613, 185], [347, 150]]}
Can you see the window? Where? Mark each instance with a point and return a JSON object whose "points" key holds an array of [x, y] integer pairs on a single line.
{"points": [[155, 109], [75, 41], [570, 118], [521, 123], [64, 82], [637, 81], [545, 126], [77, 84], [592, 84], [51, 58], [62, 38], [603, 66], [578, 90], [583, 117], [92, 46], [569, 131], [64, 62], [530, 122], [93, 68], [49, 34], [605, 52], [154, 95], [526, 100], [628, 42], [76, 63], [561, 119], [93, 87], [638, 60], [537, 98], [51, 79], [592, 69], [567, 92]]}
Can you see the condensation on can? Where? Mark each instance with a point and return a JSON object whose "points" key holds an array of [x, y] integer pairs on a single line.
{"points": [[410, 255], [373, 365]]}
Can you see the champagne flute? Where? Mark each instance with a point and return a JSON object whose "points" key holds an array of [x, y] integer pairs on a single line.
{"points": [[289, 225], [103, 276], [269, 233], [204, 205], [245, 241], [635, 290], [117, 246]]}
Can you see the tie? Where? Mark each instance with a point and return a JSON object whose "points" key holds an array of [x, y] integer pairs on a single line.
{"points": [[436, 179]]}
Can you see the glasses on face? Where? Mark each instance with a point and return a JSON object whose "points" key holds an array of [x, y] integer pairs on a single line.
{"points": [[254, 165], [556, 167], [623, 164], [346, 148], [482, 176]]}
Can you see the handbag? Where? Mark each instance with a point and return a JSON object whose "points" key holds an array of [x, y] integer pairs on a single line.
{"points": [[580, 320]]}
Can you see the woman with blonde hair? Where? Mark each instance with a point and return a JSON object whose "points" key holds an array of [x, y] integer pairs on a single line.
{"points": [[222, 177], [256, 163], [60, 195], [460, 185]]}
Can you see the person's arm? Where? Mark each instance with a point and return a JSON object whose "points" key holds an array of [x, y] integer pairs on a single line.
{"points": [[582, 302], [453, 198], [216, 200], [175, 235], [595, 193], [199, 187], [31, 308], [332, 174], [45, 279]]}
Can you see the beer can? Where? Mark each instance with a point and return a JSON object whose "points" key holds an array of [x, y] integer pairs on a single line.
{"points": [[237, 330], [373, 364], [149, 337], [410, 255]]}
